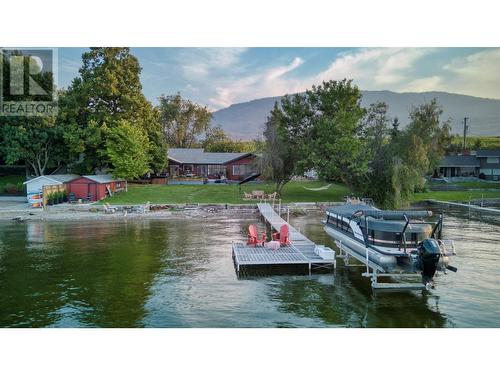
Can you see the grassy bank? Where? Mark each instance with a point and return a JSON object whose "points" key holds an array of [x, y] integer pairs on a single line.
{"points": [[294, 191], [482, 184], [221, 193]]}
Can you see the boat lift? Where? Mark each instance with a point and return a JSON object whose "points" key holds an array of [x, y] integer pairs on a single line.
{"points": [[374, 270]]}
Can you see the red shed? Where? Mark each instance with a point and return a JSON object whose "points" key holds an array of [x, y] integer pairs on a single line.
{"points": [[95, 187]]}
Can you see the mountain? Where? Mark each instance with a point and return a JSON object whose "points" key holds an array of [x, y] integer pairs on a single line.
{"points": [[246, 120]]}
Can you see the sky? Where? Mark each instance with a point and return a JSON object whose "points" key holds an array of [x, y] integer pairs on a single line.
{"points": [[219, 77]]}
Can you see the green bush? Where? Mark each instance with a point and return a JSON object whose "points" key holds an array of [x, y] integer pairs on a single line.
{"points": [[10, 188]]}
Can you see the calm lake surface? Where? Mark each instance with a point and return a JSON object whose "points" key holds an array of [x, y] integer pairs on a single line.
{"points": [[179, 273]]}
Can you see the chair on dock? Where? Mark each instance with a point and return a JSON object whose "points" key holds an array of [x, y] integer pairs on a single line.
{"points": [[72, 198], [253, 236], [283, 236]]}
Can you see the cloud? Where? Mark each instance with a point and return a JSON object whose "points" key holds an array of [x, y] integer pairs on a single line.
{"points": [[375, 67], [476, 74], [371, 68], [199, 62], [220, 77], [270, 82]]}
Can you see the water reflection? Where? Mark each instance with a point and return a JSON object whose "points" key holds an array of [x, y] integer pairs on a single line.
{"points": [[179, 273]]}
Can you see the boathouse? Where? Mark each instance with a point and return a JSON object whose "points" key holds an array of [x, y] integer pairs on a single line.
{"points": [[95, 187]]}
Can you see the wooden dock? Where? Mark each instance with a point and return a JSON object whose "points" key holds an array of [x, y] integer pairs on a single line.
{"points": [[299, 253]]}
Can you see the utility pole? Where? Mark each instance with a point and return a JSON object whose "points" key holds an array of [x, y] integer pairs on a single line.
{"points": [[466, 128]]}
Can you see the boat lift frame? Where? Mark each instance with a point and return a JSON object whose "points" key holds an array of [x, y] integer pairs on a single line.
{"points": [[374, 271]]}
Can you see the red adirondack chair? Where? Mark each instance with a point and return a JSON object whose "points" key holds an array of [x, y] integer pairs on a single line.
{"points": [[253, 236], [283, 236]]}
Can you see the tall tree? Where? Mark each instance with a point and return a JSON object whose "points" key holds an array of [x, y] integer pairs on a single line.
{"points": [[379, 152], [418, 149], [128, 150], [182, 120], [279, 160], [336, 149], [107, 91], [35, 140], [216, 140]]}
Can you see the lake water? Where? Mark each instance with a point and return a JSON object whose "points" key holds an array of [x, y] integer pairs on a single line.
{"points": [[179, 273]]}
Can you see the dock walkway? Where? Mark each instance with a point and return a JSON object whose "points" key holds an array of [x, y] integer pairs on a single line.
{"points": [[299, 252]]}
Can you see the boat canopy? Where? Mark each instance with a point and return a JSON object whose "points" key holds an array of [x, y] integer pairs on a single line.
{"points": [[395, 226], [348, 210]]}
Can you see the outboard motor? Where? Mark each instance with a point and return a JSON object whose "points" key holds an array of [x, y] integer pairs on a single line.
{"points": [[429, 253]]}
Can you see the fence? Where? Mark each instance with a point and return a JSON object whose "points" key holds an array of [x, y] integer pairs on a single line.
{"points": [[48, 190]]}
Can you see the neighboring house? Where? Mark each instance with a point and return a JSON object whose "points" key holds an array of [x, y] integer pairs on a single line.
{"points": [[95, 187], [481, 163], [459, 166], [489, 164], [196, 163]]}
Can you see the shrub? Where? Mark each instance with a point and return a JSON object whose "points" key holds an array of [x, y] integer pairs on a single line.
{"points": [[10, 188]]}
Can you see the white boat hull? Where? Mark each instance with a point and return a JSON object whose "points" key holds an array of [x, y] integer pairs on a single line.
{"points": [[386, 262]]}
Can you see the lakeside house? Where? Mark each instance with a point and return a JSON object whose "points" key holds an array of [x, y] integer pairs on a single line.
{"points": [[195, 164], [482, 164]]}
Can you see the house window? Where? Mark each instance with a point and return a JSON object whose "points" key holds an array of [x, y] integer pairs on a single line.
{"points": [[493, 160], [216, 169], [241, 169]]}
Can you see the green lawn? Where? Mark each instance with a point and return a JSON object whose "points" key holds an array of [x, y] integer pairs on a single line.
{"points": [[293, 192], [463, 195], [222, 193], [478, 184], [16, 180]]}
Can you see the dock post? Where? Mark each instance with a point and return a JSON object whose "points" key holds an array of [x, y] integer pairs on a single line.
{"points": [[288, 215]]}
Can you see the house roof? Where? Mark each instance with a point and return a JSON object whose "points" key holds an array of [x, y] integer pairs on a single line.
{"points": [[56, 178], [199, 156], [486, 153], [459, 161], [102, 178]]}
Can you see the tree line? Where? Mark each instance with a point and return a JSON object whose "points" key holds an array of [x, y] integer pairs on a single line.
{"points": [[106, 123], [327, 129]]}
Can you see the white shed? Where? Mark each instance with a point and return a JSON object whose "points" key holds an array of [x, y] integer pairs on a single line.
{"points": [[35, 185]]}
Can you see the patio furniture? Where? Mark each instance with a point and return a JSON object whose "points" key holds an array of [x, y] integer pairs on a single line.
{"points": [[247, 195], [253, 236], [258, 194], [88, 199], [72, 198], [272, 195], [283, 236]]}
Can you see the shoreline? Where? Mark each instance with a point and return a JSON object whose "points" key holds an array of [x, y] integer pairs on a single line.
{"points": [[92, 212]]}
